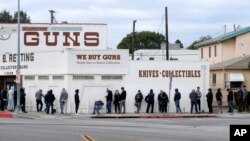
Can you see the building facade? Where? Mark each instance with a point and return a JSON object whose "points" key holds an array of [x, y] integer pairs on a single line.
{"points": [[228, 55], [74, 56]]}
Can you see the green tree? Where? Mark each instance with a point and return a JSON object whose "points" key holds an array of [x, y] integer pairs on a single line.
{"points": [[179, 42], [144, 40], [201, 39], [24, 18], [5, 17]]}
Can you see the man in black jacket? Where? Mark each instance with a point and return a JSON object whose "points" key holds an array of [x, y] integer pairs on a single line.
{"points": [[177, 97], [49, 98], [230, 100], [77, 101], [123, 100], [138, 100], [219, 100], [150, 100], [109, 99]]}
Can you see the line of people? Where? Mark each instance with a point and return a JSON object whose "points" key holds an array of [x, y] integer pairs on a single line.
{"points": [[8, 99]]}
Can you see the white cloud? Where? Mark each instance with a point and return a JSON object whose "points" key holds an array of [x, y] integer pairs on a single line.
{"points": [[188, 19]]}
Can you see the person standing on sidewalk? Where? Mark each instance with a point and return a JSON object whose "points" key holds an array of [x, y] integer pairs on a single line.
{"points": [[117, 99], [39, 96], [199, 98], [138, 100], [164, 98], [177, 98], [109, 99], [193, 97], [210, 100], [63, 99], [230, 97], [23, 100], [245, 103], [11, 99], [240, 99], [160, 101], [219, 100], [49, 99], [77, 101], [123, 100], [150, 100]]}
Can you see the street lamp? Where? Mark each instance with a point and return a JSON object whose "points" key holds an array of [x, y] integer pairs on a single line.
{"points": [[17, 108]]}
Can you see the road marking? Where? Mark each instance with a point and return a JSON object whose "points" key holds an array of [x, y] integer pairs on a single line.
{"points": [[87, 138]]}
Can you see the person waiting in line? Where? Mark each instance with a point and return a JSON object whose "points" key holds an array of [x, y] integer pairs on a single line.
{"points": [[219, 100], [138, 100], [177, 98], [63, 99], [199, 98], [123, 100], [240, 99], [245, 103], [150, 100], [39, 96], [97, 106], [230, 97], [109, 99], [23, 100], [160, 101], [210, 100], [77, 101], [165, 100], [4, 99], [193, 97], [49, 98], [11, 99], [117, 99]]}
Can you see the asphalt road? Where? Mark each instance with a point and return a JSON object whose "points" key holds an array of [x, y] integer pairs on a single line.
{"points": [[85, 129]]}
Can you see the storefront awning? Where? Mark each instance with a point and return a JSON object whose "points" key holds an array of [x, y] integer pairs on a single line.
{"points": [[236, 77]]}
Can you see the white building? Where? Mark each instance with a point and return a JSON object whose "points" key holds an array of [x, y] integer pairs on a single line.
{"points": [[160, 54], [74, 56]]}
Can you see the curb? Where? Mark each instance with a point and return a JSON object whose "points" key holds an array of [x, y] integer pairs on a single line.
{"points": [[157, 116], [6, 115]]}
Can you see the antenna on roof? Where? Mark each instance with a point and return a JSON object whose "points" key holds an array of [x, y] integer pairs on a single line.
{"points": [[52, 17], [225, 29], [234, 27]]}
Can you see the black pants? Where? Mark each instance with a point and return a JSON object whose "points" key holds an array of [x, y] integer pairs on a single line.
{"points": [[164, 108], [77, 106], [210, 107], [39, 102], [117, 108], [160, 107], [199, 104], [152, 107]]}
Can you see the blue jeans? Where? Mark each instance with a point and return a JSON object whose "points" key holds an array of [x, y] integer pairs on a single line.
{"points": [[194, 103], [48, 105], [97, 109], [109, 103], [177, 105], [230, 106], [62, 106]]}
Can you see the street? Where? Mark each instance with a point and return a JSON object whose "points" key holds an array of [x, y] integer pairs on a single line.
{"points": [[87, 129]]}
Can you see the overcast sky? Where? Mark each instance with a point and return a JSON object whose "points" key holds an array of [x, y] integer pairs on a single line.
{"points": [[188, 19]]}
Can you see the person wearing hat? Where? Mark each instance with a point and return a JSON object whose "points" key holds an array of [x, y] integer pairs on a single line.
{"points": [[77, 101]]}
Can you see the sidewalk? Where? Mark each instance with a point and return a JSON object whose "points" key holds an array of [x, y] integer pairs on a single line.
{"points": [[43, 115]]}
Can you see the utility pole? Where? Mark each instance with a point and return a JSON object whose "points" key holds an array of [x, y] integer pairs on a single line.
{"points": [[133, 40], [52, 16], [166, 22], [17, 108]]}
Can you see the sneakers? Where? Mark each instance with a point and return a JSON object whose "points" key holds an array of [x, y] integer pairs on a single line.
{"points": [[76, 114]]}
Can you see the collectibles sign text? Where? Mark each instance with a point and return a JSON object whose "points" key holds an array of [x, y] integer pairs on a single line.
{"points": [[168, 73]]}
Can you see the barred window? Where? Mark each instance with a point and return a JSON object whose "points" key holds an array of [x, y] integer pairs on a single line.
{"points": [[29, 77], [58, 77], [83, 77], [43, 77], [111, 77]]}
